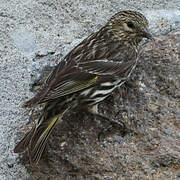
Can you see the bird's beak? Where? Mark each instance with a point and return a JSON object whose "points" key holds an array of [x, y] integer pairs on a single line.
{"points": [[145, 33]]}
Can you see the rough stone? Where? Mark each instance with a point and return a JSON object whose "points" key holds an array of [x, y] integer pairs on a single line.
{"points": [[37, 33]]}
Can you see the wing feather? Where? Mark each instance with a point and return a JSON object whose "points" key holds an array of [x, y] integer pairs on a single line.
{"points": [[106, 67], [71, 83], [84, 75]]}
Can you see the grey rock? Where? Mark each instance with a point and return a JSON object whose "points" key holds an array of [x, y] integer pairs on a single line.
{"points": [[30, 30]]}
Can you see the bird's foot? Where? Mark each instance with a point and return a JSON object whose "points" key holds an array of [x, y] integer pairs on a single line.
{"points": [[113, 127]]}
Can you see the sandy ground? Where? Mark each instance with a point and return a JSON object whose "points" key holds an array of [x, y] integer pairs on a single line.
{"points": [[32, 28]]}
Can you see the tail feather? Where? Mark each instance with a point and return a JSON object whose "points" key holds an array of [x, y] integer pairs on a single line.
{"points": [[36, 139], [39, 140], [23, 144]]}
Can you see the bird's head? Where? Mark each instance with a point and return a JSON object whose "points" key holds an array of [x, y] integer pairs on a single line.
{"points": [[130, 26]]}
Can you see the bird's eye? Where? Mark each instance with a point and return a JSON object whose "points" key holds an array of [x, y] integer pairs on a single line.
{"points": [[130, 25]]}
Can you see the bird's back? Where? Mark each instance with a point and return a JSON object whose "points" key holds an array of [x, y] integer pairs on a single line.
{"points": [[98, 46]]}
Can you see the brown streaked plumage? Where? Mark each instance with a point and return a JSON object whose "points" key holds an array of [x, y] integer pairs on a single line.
{"points": [[86, 75]]}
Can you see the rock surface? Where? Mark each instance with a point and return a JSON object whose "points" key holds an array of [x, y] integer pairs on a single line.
{"points": [[149, 106], [33, 34]]}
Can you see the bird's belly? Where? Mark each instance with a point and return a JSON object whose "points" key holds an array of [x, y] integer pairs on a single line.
{"points": [[95, 95], [98, 93]]}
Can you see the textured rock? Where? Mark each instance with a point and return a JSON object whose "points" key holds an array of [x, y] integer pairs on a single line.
{"points": [[149, 106], [32, 34]]}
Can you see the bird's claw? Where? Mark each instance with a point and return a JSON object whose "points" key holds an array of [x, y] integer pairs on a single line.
{"points": [[118, 126]]}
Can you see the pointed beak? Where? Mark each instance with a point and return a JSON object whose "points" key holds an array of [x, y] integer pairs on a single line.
{"points": [[145, 33]]}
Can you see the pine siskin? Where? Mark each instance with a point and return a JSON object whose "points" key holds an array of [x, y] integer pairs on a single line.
{"points": [[86, 76]]}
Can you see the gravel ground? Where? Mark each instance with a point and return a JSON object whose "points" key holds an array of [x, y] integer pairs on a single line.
{"points": [[33, 31]]}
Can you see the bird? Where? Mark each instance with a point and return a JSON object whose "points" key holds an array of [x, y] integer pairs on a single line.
{"points": [[87, 75]]}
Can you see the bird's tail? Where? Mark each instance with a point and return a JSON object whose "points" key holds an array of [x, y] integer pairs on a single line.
{"points": [[35, 140]]}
